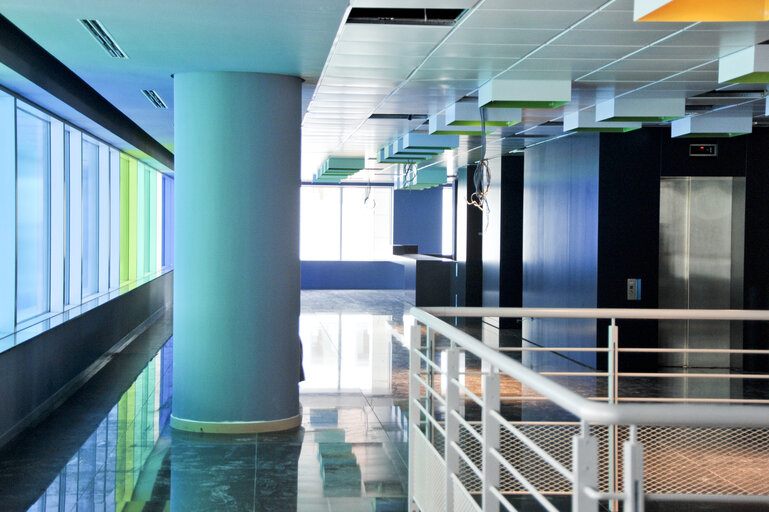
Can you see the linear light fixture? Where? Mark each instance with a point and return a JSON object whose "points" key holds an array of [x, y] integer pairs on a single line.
{"points": [[524, 93], [154, 98], [700, 10], [644, 110], [104, 38], [748, 66], [584, 121]]}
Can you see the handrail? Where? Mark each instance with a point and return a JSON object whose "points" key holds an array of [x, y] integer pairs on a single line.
{"points": [[604, 313], [595, 412]]}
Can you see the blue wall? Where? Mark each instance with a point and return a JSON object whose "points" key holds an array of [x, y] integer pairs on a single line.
{"points": [[560, 242], [417, 219], [352, 275]]}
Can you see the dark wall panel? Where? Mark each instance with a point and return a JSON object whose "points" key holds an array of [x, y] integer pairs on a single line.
{"points": [[628, 234], [34, 371], [417, 219], [468, 275], [756, 291], [560, 240]]}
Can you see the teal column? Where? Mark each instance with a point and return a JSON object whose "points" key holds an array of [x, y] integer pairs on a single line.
{"points": [[236, 273]]}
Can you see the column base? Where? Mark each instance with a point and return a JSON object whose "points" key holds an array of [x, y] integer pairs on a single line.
{"points": [[235, 427]]}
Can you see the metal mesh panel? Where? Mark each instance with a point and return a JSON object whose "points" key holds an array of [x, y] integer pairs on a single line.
{"points": [[704, 460], [463, 501], [429, 475]]}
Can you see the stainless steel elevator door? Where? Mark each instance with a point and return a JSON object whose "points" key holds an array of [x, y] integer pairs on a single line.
{"points": [[701, 238]]}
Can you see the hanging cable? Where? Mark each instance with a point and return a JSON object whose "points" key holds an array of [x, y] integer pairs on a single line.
{"points": [[482, 175], [367, 199]]}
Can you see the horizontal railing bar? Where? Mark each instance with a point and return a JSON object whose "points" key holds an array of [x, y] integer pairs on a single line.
{"points": [[694, 350], [430, 390], [430, 418], [604, 496], [502, 500], [605, 313], [522, 480], [524, 398], [429, 362], [553, 349], [597, 412], [695, 375], [704, 400], [576, 374], [709, 498], [467, 426], [531, 445], [464, 457], [475, 398]]}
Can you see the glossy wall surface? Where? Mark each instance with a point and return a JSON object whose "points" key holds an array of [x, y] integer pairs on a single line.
{"points": [[560, 239]]}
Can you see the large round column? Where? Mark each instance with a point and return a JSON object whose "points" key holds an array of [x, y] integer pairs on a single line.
{"points": [[236, 276]]}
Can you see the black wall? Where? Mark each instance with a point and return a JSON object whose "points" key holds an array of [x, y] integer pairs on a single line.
{"points": [[32, 372], [467, 283]]}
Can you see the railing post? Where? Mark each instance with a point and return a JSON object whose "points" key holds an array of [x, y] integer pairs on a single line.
{"points": [[452, 424], [413, 332], [491, 402], [612, 367], [633, 473], [585, 468]]}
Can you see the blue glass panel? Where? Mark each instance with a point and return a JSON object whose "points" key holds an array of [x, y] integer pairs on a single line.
{"points": [[33, 215], [90, 218]]}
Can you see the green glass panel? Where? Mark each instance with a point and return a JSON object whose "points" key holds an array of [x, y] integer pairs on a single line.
{"points": [[132, 219], [125, 194], [606, 129], [759, 77], [153, 223], [141, 221], [641, 119]]}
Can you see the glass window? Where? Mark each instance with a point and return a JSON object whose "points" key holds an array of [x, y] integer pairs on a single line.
{"points": [[366, 223], [67, 203], [90, 218], [447, 235], [33, 228], [320, 210]]}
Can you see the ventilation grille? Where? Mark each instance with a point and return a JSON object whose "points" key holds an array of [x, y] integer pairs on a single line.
{"points": [[97, 30], [404, 16], [154, 98]]}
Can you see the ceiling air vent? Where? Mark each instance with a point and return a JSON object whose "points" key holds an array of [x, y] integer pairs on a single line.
{"points": [[104, 38], [404, 16], [154, 98]]}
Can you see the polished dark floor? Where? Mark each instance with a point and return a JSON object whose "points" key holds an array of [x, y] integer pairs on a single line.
{"points": [[108, 447]]}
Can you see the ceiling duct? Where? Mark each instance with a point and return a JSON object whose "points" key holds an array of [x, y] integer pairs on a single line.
{"points": [[642, 110], [104, 38], [339, 168], [154, 98], [524, 93], [468, 114], [750, 65], [716, 124], [584, 121], [379, 16], [700, 10]]}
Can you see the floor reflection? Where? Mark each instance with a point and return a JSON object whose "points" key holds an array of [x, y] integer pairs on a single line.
{"points": [[350, 454]]}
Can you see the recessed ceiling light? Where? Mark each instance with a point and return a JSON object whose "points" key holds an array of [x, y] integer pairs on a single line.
{"points": [[153, 97], [104, 38]]}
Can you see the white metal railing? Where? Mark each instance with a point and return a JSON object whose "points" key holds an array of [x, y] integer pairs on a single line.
{"points": [[487, 461]]}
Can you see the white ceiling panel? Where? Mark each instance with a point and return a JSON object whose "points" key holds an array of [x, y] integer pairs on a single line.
{"points": [[530, 19]]}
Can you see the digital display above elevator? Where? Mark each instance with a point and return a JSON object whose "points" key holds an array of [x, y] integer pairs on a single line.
{"points": [[703, 149]]}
